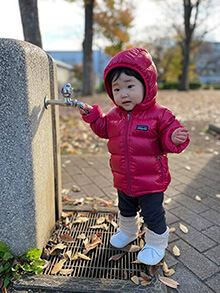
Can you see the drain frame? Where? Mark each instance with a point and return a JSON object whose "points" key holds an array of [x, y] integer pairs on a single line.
{"points": [[98, 267], [47, 283]]}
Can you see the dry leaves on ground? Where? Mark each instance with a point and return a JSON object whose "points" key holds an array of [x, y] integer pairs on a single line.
{"points": [[183, 228], [176, 251], [169, 282]]}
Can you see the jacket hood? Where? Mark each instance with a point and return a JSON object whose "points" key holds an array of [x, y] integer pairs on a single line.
{"points": [[141, 61]]}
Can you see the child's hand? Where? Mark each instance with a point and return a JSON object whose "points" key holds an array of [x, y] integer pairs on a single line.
{"points": [[179, 135], [88, 108]]}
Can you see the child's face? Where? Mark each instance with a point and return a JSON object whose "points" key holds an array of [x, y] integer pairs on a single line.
{"points": [[127, 91]]}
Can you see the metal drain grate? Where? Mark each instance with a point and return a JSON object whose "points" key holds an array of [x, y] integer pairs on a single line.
{"points": [[99, 266]]}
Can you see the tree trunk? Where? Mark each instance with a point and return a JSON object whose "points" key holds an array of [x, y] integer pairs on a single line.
{"points": [[189, 27], [30, 21], [88, 79], [184, 78]]}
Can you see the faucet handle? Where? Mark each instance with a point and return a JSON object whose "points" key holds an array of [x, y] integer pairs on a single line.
{"points": [[67, 90]]}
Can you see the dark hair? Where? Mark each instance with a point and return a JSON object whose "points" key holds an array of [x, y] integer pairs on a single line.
{"points": [[116, 72]]}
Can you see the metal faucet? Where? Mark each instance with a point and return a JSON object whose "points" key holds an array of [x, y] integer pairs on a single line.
{"points": [[67, 91]]}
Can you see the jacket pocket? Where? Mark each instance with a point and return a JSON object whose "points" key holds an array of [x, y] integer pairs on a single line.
{"points": [[161, 168]]}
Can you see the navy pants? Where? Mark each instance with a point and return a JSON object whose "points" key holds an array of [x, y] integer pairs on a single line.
{"points": [[150, 207]]}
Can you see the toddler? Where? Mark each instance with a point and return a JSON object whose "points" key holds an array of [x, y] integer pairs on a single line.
{"points": [[140, 133]]}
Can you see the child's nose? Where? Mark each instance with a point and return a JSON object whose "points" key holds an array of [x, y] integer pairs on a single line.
{"points": [[124, 93]]}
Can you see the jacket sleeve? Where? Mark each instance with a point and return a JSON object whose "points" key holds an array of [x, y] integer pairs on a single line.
{"points": [[98, 121], [167, 124]]}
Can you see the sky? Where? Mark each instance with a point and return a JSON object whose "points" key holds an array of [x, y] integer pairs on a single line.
{"points": [[62, 23]]}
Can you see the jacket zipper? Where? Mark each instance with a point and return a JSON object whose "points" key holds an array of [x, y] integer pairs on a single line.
{"points": [[161, 167], [126, 149]]}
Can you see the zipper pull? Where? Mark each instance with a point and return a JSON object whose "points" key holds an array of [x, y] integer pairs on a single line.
{"points": [[128, 116]]}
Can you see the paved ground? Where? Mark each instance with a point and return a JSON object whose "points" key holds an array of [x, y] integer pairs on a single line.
{"points": [[198, 266]]}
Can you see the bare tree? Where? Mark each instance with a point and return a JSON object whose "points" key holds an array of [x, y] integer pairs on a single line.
{"points": [[188, 21], [30, 21], [88, 78], [191, 12]]}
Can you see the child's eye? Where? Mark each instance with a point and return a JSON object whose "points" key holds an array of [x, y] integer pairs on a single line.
{"points": [[116, 90], [130, 86]]}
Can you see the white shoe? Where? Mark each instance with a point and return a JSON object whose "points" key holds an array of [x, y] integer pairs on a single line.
{"points": [[127, 231], [120, 240], [154, 249], [150, 255]]}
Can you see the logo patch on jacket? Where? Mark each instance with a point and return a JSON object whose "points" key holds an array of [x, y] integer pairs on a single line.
{"points": [[142, 127]]}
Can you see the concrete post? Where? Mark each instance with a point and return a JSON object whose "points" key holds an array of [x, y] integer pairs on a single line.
{"points": [[30, 184]]}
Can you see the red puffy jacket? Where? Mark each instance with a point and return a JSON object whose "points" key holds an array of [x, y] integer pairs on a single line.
{"points": [[140, 140]]}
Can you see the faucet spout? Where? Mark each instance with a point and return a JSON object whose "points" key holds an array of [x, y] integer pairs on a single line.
{"points": [[67, 91]]}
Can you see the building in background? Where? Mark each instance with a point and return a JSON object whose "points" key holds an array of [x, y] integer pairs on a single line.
{"points": [[72, 58], [208, 63]]}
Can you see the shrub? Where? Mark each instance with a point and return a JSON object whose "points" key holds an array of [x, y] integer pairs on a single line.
{"points": [[194, 85], [11, 266], [170, 85]]}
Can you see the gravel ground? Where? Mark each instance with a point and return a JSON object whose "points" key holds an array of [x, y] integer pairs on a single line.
{"points": [[194, 109]]}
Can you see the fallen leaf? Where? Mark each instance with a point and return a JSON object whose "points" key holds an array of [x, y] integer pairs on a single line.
{"points": [[143, 283], [169, 282], [80, 220], [115, 203], [172, 229], [92, 245], [86, 241], [68, 255], [65, 191], [59, 246], [102, 226], [170, 273], [168, 200], [83, 256], [167, 272], [67, 222], [75, 256], [198, 198], [116, 256], [145, 276], [131, 248], [176, 251], [95, 207], [90, 198], [65, 215], [198, 152], [142, 232], [183, 228], [66, 237], [109, 219], [107, 203], [135, 280], [81, 236], [142, 243], [58, 266], [100, 220], [82, 214], [136, 261], [165, 267], [75, 188], [154, 272], [66, 271], [74, 201]]}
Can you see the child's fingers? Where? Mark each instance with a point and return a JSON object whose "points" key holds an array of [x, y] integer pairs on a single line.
{"points": [[184, 129]]}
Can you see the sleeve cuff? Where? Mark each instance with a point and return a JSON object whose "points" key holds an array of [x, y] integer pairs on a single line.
{"points": [[94, 114], [175, 148]]}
